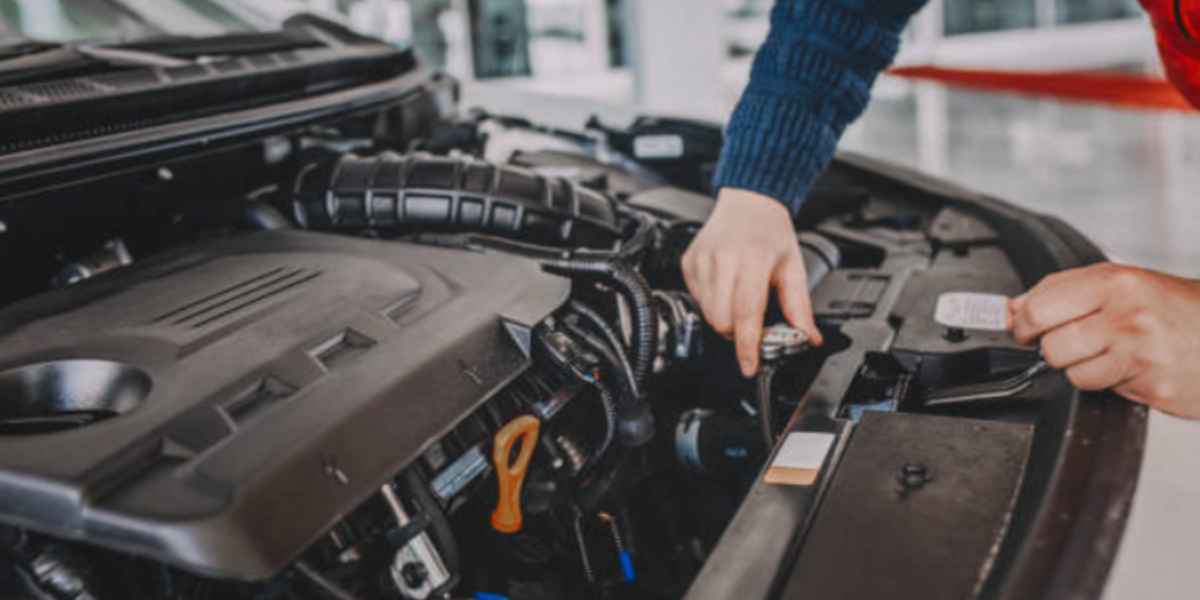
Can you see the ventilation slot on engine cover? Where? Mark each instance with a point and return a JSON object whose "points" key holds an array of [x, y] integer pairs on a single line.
{"points": [[341, 349], [237, 297], [262, 396]]}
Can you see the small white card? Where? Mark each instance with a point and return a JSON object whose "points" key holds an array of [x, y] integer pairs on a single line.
{"points": [[972, 310], [658, 146], [799, 459]]}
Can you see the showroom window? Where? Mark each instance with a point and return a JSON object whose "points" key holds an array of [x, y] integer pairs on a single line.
{"points": [[978, 16], [1082, 11], [972, 16]]}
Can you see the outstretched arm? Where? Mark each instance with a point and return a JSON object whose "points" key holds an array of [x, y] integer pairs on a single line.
{"points": [[811, 78]]}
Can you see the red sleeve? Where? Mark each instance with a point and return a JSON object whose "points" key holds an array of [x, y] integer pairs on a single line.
{"points": [[1177, 26]]}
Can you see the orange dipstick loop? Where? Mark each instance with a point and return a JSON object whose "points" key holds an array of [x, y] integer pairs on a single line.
{"points": [[507, 516]]}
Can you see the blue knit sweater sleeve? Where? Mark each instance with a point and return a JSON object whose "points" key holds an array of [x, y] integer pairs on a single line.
{"points": [[811, 78]]}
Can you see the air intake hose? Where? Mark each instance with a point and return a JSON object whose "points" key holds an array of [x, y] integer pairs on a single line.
{"points": [[400, 193]]}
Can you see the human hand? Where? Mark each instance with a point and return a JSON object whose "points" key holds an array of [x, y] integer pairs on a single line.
{"points": [[747, 247], [1112, 326]]}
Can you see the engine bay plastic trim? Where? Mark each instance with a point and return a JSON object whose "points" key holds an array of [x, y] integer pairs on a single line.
{"points": [[22, 173]]}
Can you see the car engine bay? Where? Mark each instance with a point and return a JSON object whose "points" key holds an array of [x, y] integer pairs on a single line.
{"points": [[416, 352]]}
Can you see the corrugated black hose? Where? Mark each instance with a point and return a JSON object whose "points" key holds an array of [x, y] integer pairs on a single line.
{"points": [[633, 287]]}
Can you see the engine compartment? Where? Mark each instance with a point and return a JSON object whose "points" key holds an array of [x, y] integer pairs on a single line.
{"points": [[386, 355], [246, 346]]}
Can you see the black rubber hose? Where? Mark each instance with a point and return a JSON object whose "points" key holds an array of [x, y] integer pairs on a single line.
{"points": [[610, 423], [614, 341], [641, 238], [762, 392], [633, 287], [265, 217], [607, 399]]}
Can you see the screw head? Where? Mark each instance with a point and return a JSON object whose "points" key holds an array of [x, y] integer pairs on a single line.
{"points": [[912, 477], [414, 574]]}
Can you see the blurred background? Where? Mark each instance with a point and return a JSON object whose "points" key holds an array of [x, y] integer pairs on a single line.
{"points": [[1101, 167]]}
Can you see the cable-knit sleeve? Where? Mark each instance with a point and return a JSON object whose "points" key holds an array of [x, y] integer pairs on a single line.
{"points": [[811, 78]]}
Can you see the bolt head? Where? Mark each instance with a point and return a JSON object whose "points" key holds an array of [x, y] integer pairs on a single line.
{"points": [[415, 574]]}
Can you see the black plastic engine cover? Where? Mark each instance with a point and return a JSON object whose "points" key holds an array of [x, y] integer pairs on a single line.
{"points": [[256, 389]]}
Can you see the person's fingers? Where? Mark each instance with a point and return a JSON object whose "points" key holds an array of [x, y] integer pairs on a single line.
{"points": [[700, 280], [1015, 305], [691, 276], [1076, 341], [719, 290], [791, 283], [1107, 370], [750, 305], [1058, 299], [1157, 392]]}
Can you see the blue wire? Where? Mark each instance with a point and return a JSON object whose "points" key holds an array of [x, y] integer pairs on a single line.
{"points": [[627, 566], [489, 596]]}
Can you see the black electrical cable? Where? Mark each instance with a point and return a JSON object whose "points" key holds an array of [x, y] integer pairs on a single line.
{"points": [[478, 241], [610, 423], [627, 281], [607, 399], [584, 560], [614, 340], [762, 393], [633, 287]]}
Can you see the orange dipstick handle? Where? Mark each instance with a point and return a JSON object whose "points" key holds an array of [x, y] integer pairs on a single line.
{"points": [[507, 516]]}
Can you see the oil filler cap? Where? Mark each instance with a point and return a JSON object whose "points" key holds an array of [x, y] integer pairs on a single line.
{"points": [[782, 340]]}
